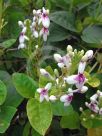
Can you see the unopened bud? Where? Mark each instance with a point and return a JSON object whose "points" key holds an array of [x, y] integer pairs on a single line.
{"points": [[92, 116], [52, 98], [84, 119], [81, 109], [69, 48], [84, 58], [20, 23], [56, 72], [34, 11]]}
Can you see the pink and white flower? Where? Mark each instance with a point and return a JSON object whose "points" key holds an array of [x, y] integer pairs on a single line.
{"points": [[64, 61], [44, 32], [67, 99], [22, 39], [44, 92], [92, 106], [45, 18]]}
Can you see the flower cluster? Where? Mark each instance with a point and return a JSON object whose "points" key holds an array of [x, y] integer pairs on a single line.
{"points": [[79, 79], [94, 105], [22, 37], [38, 27]]}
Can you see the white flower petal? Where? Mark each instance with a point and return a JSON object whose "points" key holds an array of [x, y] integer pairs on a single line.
{"points": [[66, 103], [46, 21], [61, 65], [94, 98], [46, 97], [20, 23], [21, 39], [41, 98], [21, 46], [81, 67], [89, 54], [24, 30], [45, 37], [39, 90], [71, 79], [63, 98], [35, 33], [48, 86], [84, 89], [57, 57], [41, 32]]}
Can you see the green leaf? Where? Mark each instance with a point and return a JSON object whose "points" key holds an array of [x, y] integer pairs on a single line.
{"points": [[86, 121], [8, 43], [11, 91], [60, 110], [92, 34], [57, 33], [64, 19], [3, 92], [13, 15], [70, 121], [25, 85], [6, 114], [63, 4], [92, 80], [39, 115]]}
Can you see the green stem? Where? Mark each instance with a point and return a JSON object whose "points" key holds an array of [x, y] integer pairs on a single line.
{"points": [[93, 67]]}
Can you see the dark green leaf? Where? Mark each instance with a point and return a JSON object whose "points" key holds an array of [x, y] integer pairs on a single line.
{"points": [[64, 19], [3, 92], [57, 33], [92, 34]]}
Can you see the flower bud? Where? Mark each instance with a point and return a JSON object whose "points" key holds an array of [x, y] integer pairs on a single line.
{"points": [[81, 109], [69, 48], [56, 72], [92, 116], [52, 98], [93, 98], [20, 23], [84, 89], [84, 58], [89, 54]]}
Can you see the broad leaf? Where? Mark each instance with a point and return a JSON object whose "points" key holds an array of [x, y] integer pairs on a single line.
{"points": [[39, 115], [57, 33], [70, 121], [8, 43], [11, 91], [60, 110], [92, 34], [64, 19], [6, 114], [3, 92], [25, 85]]}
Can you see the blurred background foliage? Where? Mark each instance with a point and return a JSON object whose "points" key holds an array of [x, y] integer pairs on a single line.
{"points": [[75, 22]]}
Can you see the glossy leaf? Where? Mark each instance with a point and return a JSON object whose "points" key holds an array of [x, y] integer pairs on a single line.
{"points": [[70, 121], [60, 110], [39, 115], [6, 114], [64, 19], [25, 85], [92, 34]]}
